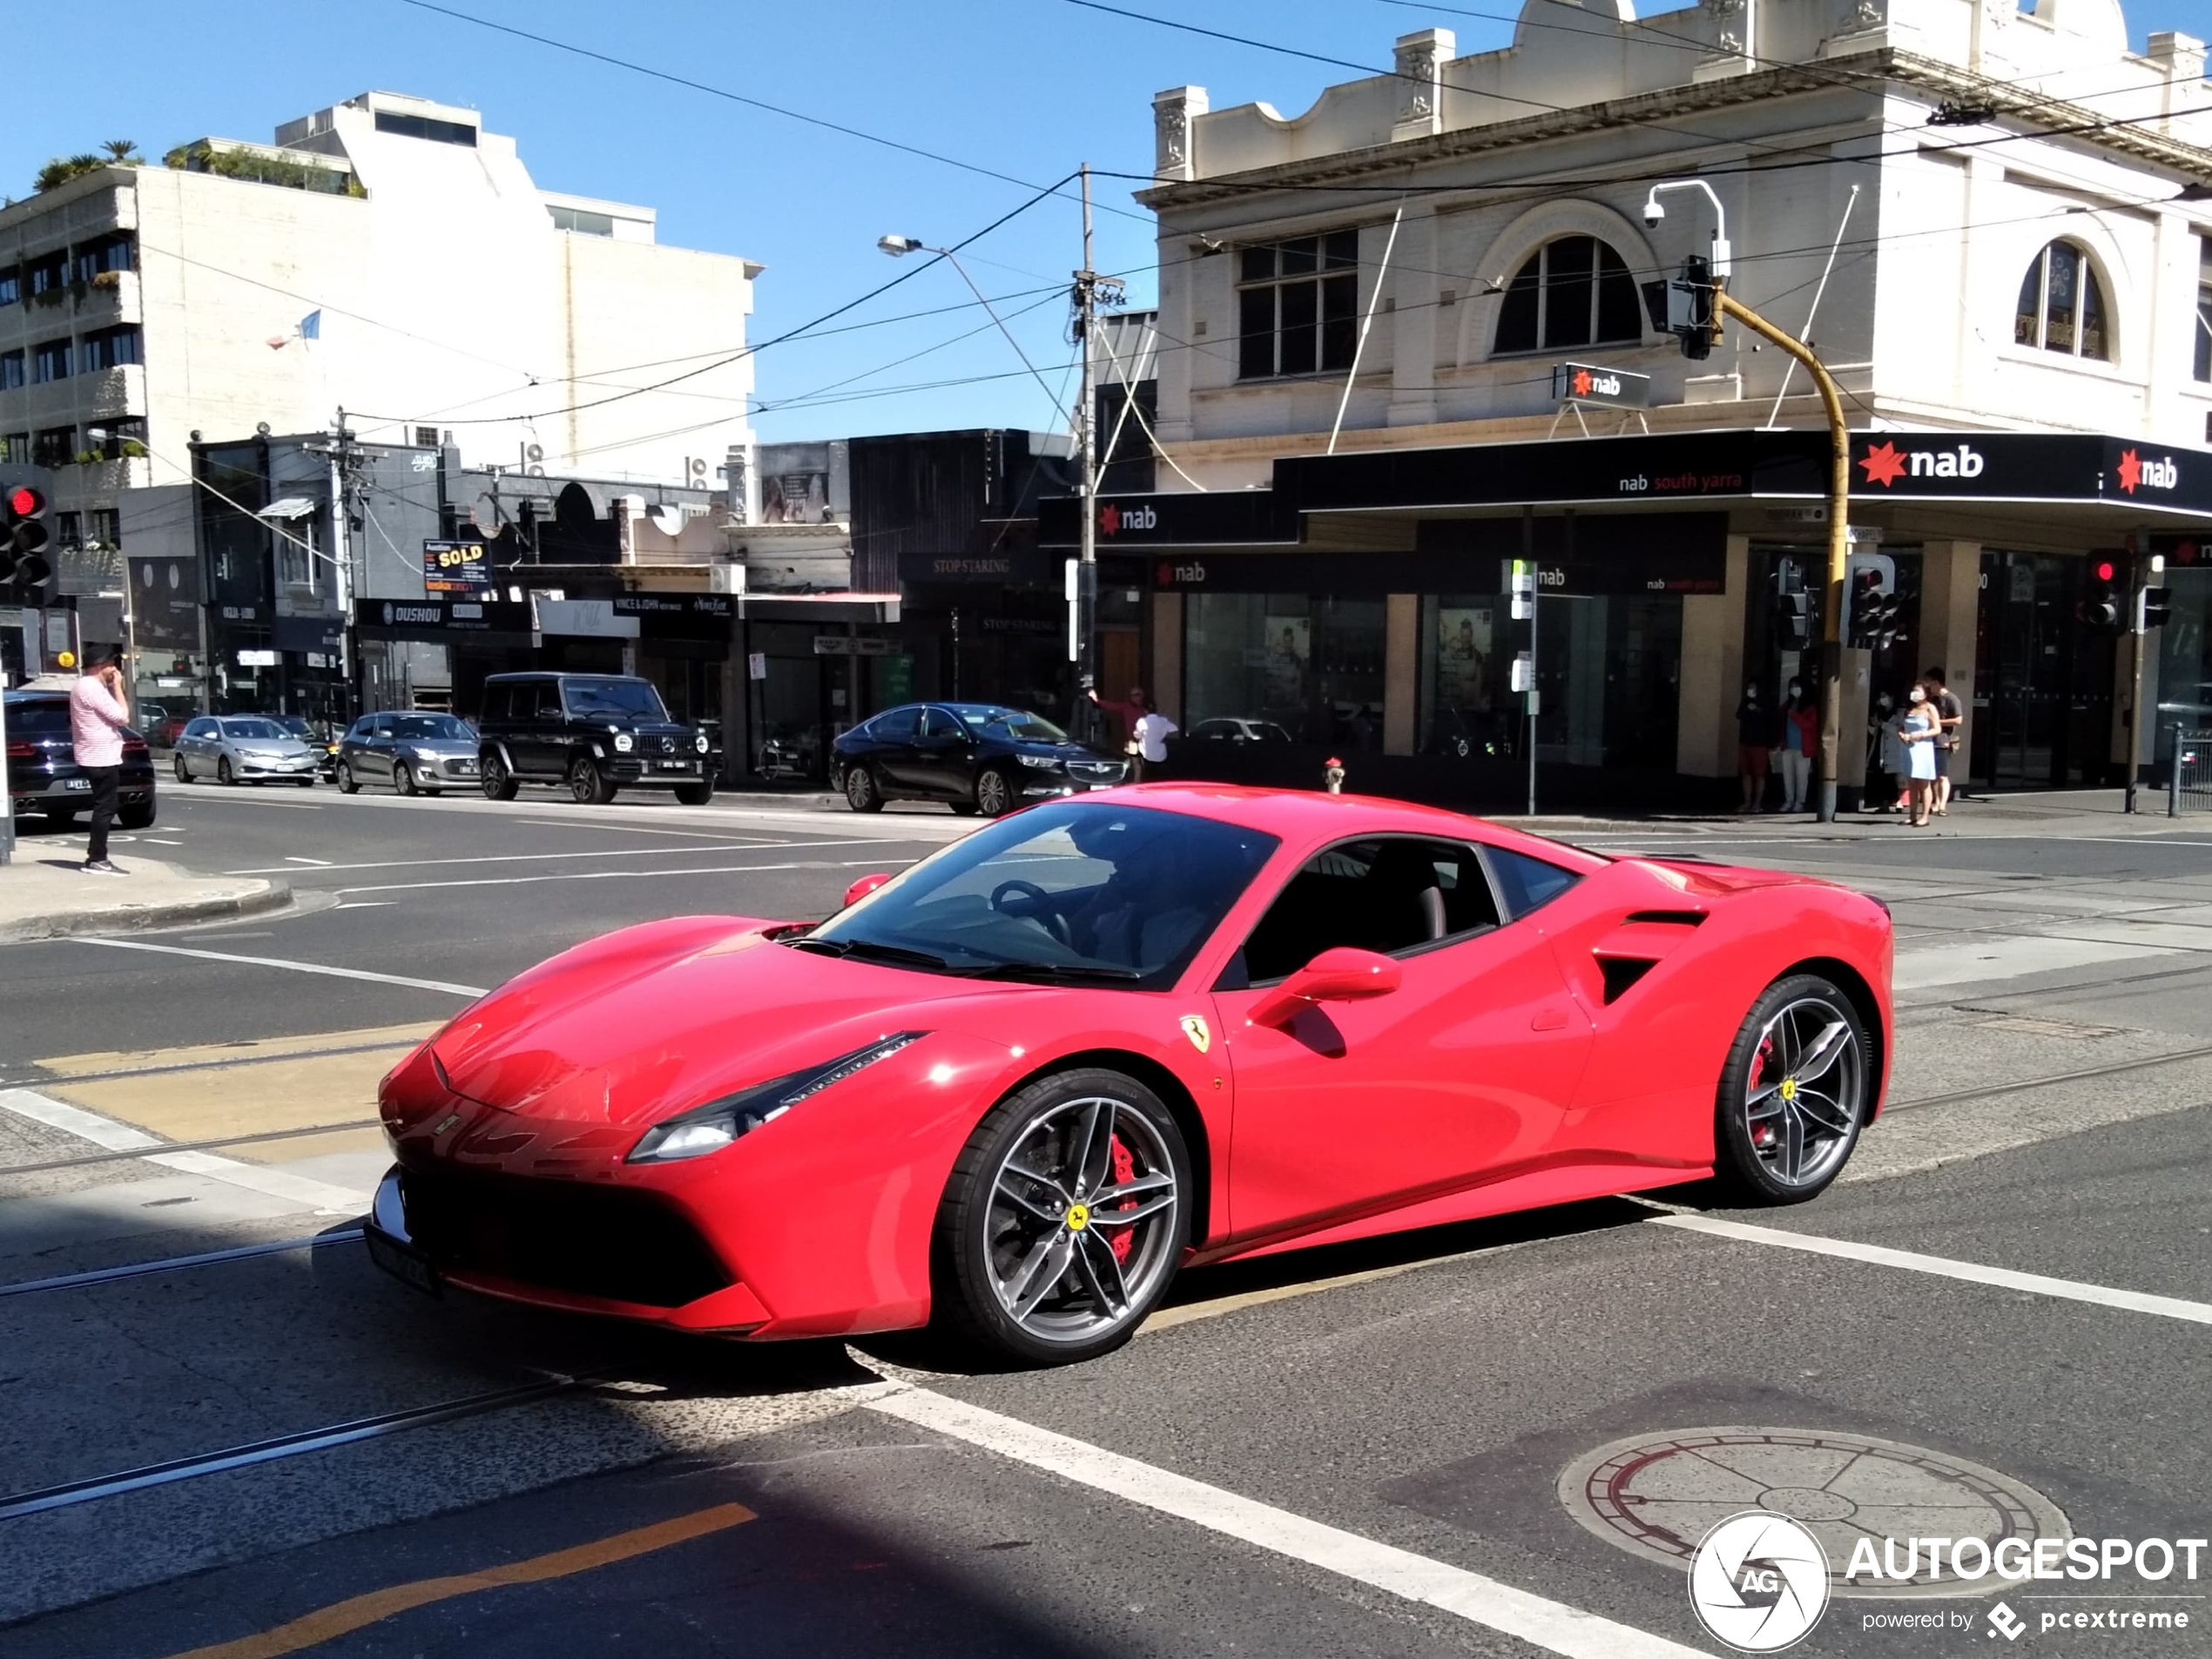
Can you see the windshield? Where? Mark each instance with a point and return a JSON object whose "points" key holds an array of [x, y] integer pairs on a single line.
{"points": [[425, 728], [1024, 727], [624, 699], [1080, 891], [262, 731], [295, 725]]}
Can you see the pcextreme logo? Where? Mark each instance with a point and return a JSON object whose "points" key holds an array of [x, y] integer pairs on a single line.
{"points": [[1759, 1581], [1113, 519], [2162, 474], [1884, 463]]}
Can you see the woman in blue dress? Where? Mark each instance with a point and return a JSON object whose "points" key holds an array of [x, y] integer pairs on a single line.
{"points": [[1921, 725]]}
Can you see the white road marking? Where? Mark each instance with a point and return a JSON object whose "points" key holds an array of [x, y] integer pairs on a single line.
{"points": [[238, 801], [111, 1136], [2170, 1307], [293, 857], [1551, 1625], [155, 840], [366, 904], [296, 968], [633, 875], [603, 852]]}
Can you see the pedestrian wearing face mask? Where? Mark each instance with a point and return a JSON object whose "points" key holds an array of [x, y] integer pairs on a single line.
{"points": [[1800, 735], [1755, 740]]}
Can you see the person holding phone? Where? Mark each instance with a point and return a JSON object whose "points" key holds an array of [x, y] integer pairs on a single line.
{"points": [[98, 709]]}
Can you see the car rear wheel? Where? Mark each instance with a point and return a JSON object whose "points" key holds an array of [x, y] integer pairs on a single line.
{"points": [[224, 775], [995, 794], [176, 765], [1064, 1220], [1794, 1094], [347, 784], [860, 791], [695, 794], [403, 779], [494, 778], [139, 816], [588, 785]]}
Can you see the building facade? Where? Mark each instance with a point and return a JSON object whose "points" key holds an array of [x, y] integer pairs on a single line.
{"points": [[387, 256], [1992, 223]]}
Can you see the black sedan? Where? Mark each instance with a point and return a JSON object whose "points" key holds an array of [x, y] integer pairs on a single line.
{"points": [[975, 757], [43, 773]]}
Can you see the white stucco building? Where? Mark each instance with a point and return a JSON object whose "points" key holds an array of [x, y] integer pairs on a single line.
{"points": [[2018, 208], [387, 255]]}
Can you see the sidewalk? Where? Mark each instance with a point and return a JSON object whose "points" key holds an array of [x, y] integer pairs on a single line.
{"points": [[2088, 813], [43, 895]]}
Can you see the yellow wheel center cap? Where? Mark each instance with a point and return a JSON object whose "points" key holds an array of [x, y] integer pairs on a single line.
{"points": [[1078, 1217], [1789, 1089]]}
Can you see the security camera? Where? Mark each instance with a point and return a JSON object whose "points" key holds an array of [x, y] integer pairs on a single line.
{"points": [[1653, 212]]}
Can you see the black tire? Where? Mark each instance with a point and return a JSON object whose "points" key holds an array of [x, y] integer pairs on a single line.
{"points": [[224, 775], [965, 808], [696, 794], [403, 779], [588, 785], [305, 783], [140, 817], [966, 1303], [862, 793], [494, 778], [176, 765], [1791, 1141], [347, 784], [995, 795]]}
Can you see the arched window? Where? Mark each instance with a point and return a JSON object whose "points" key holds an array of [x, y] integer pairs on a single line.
{"points": [[1573, 292], [2062, 305]]}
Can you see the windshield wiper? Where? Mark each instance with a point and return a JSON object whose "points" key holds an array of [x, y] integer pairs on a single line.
{"points": [[1060, 973], [871, 951]]}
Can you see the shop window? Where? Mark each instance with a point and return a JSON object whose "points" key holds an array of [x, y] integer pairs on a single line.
{"points": [[1387, 895], [1310, 664], [1573, 292], [1467, 709], [295, 551], [1298, 305], [2204, 309], [2062, 305]]}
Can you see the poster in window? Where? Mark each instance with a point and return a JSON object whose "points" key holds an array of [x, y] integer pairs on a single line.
{"points": [[1289, 656], [1463, 658]]}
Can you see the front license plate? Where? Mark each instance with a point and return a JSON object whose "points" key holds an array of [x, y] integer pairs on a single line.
{"points": [[402, 1262], [673, 765]]}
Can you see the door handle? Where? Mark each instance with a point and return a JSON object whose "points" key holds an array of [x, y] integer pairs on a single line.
{"points": [[1550, 1019]]}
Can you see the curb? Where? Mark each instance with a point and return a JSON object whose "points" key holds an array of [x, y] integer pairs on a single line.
{"points": [[275, 894]]}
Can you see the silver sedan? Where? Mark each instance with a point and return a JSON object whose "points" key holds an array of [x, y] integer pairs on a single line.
{"points": [[242, 749], [416, 753]]}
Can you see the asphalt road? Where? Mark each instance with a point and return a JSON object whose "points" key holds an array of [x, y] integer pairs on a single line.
{"points": [[1368, 1449]]}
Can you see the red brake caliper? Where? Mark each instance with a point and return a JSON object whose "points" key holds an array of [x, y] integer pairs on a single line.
{"points": [[1762, 1133], [1124, 1171]]}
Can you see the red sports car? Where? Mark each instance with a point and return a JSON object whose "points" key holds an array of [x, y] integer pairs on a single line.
{"points": [[1013, 1088]]}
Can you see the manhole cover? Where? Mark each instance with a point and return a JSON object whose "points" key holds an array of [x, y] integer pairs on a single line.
{"points": [[1656, 1494]]}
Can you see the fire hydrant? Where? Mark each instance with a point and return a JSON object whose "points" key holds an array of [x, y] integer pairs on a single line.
{"points": [[1332, 775]]}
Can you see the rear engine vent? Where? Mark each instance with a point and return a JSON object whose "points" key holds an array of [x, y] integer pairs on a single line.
{"points": [[1622, 972], [1668, 917]]}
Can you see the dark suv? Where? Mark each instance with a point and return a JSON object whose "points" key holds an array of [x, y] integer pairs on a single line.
{"points": [[43, 773], [596, 733]]}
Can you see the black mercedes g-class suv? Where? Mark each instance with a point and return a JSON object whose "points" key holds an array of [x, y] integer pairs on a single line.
{"points": [[595, 733]]}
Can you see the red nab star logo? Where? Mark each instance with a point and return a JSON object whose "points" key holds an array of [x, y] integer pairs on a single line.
{"points": [[2131, 470], [1110, 519], [1883, 463], [1582, 382]]}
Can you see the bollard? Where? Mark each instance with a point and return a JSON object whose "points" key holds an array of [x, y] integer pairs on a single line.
{"points": [[2174, 776], [1332, 775]]}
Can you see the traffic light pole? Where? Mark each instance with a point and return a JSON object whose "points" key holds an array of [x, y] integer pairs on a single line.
{"points": [[2138, 591], [1831, 656]]}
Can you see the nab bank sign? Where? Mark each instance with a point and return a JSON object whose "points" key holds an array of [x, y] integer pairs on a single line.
{"points": [[1113, 518]]}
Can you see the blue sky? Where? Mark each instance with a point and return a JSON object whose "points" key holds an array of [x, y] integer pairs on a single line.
{"points": [[1028, 88]]}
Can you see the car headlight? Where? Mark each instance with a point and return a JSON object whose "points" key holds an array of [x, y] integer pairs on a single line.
{"points": [[625, 743], [1043, 762], [700, 743], [715, 1125]]}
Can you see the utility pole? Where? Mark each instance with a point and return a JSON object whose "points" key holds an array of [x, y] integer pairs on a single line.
{"points": [[1086, 600], [341, 477], [2147, 568]]}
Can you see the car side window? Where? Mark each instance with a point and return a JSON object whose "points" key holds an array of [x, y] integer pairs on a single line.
{"points": [[1390, 893], [495, 705], [200, 729], [1525, 882], [383, 729], [898, 726], [940, 723], [549, 702]]}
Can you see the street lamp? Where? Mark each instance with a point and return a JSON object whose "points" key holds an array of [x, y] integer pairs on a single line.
{"points": [[1653, 212]]}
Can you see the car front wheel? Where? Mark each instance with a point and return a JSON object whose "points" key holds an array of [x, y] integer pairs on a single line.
{"points": [[588, 785], [698, 794], [224, 775], [1064, 1220], [403, 778], [494, 778], [860, 793], [1794, 1093]]}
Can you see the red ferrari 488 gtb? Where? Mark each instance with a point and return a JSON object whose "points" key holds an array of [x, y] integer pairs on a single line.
{"points": [[1013, 1088]]}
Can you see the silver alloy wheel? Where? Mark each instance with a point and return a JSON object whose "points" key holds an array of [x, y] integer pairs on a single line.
{"points": [[994, 795], [1802, 1102], [403, 778], [860, 788], [1059, 1199]]}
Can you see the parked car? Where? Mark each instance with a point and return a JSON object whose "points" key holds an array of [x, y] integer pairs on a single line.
{"points": [[243, 749], [43, 773], [594, 732], [1237, 729], [976, 757], [317, 737], [416, 753]]}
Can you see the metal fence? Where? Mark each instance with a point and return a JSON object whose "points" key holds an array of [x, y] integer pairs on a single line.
{"points": [[2190, 780]]}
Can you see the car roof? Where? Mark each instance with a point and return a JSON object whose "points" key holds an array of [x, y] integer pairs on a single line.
{"points": [[1304, 815]]}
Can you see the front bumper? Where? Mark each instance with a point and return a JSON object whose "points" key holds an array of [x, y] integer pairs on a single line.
{"points": [[651, 772], [306, 766]]}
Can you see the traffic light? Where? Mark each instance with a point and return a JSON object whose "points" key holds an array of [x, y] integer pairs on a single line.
{"points": [[1685, 308], [24, 492], [1790, 621], [2157, 609], [1871, 603], [2099, 610]]}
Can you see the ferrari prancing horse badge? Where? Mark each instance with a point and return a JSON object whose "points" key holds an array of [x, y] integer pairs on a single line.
{"points": [[1194, 1026]]}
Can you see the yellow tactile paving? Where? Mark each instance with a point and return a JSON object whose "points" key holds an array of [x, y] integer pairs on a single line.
{"points": [[243, 1089]]}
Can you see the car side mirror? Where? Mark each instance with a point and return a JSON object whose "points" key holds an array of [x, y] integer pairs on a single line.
{"points": [[1341, 974], [864, 886]]}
